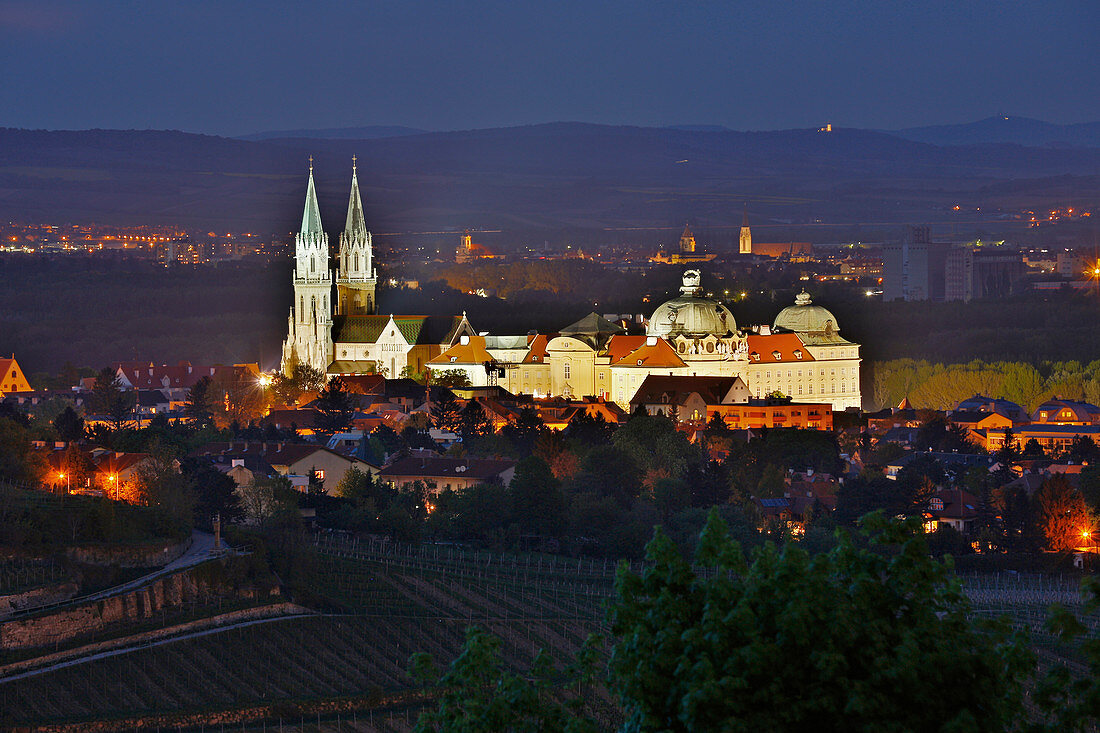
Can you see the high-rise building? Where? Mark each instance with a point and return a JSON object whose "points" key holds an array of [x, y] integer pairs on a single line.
{"points": [[914, 268], [982, 273]]}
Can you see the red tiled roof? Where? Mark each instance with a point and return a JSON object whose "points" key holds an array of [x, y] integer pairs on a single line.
{"points": [[471, 353], [784, 343], [536, 351], [660, 355]]}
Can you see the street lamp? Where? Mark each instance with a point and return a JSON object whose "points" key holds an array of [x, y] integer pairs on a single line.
{"points": [[68, 482], [114, 483]]}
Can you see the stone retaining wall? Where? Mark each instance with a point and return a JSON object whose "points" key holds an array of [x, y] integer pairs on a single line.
{"points": [[193, 584], [140, 556], [36, 597], [223, 619]]}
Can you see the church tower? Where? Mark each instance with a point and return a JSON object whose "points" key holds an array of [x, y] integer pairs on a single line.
{"points": [[309, 337], [355, 284], [687, 241], [746, 235]]}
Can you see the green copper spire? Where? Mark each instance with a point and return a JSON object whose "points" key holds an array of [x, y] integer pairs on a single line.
{"points": [[311, 217], [356, 223]]}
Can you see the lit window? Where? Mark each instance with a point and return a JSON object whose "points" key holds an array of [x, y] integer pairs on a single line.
{"points": [[320, 472], [567, 371]]}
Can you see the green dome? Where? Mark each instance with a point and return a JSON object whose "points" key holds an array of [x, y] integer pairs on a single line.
{"points": [[691, 314], [805, 317]]}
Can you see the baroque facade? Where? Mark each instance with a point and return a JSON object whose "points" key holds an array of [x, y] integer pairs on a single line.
{"points": [[334, 326], [801, 354]]}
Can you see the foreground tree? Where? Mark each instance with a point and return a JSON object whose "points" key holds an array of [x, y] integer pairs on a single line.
{"points": [[849, 640], [479, 693]]}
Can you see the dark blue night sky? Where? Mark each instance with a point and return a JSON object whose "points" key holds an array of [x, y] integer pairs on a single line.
{"points": [[234, 67]]}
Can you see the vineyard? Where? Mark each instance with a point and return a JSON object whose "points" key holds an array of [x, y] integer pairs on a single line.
{"points": [[394, 601], [18, 574]]}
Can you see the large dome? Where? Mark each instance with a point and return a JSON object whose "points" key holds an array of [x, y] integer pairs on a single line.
{"points": [[691, 314], [805, 317]]}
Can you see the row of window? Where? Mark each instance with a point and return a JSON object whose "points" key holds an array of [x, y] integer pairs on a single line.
{"points": [[809, 373]]}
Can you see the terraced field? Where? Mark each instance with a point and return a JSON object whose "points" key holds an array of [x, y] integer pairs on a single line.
{"points": [[395, 601], [395, 607]]}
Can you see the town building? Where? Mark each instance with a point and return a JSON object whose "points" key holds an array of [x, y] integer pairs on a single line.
{"points": [[12, 378], [795, 251], [443, 473], [697, 399], [292, 460]]}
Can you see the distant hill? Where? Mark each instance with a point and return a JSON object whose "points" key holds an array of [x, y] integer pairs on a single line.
{"points": [[532, 180], [1007, 129], [370, 132]]}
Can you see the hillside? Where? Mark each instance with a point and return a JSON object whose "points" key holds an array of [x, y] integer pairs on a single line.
{"points": [[1007, 129], [535, 180]]}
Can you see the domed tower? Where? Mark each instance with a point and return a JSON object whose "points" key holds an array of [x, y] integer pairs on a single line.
{"points": [[691, 314], [805, 317], [357, 279]]}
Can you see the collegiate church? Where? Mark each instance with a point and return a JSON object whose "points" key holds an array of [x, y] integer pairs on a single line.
{"points": [[801, 354], [343, 334]]}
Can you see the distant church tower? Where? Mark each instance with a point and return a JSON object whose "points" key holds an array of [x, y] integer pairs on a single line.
{"points": [[746, 235], [357, 278], [309, 336], [687, 241]]}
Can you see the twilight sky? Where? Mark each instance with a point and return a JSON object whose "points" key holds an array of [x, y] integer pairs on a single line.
{"points": [[238, 66]]}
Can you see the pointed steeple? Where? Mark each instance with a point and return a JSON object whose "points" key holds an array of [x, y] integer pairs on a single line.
{"points": [[356, 223], [311, 217], [745, 217]]}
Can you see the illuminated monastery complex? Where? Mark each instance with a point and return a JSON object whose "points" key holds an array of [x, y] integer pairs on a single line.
{"points": [[801, 354]]}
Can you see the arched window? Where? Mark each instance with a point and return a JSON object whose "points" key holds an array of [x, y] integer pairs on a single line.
{"points": [[313, 264], [302, 309], [313, 306], [355, 259]]}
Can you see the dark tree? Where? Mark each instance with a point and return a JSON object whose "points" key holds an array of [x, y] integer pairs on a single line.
{"points": [[215, 493], [611, 472], [524, 431], [69, 425], [473, 422], [334, 406], [198, 406], [109, 399], [446, 413], [536, 499]]}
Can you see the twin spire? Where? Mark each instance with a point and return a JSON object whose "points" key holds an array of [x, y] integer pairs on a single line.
{"points": [[356, 222]]}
